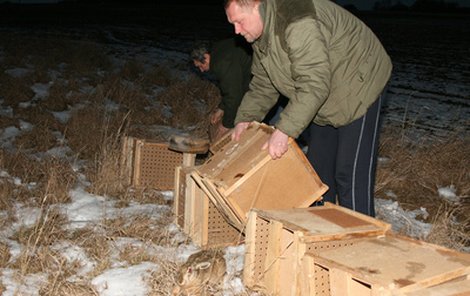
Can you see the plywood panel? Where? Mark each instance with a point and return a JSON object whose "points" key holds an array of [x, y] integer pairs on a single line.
{"points": [[396, 263]]}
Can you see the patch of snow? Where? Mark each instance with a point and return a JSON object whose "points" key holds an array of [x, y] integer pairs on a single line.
{"points": [[41, 90], [448, 193], [28, 285], [62, 116], [18, 72], [130, 281], [75, 254], [403, 221]]}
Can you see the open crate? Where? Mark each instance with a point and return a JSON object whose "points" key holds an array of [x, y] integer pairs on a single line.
{"points": [[240, 176], [388, 265], [277, 240], [197, 215], [149, 164]]}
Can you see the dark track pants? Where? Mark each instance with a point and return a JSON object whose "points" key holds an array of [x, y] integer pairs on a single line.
{"points": [[345, 158]]}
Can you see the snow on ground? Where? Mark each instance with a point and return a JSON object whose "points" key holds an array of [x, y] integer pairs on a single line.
{"points": [[86, 209]]}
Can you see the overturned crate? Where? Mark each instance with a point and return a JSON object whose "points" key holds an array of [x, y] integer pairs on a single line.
{"points": [[241, 176], [390, 265], [198, 217], [277, 241], [149, 164]]}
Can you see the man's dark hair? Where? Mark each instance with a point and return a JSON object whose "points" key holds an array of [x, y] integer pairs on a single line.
{"points": [[199, 49], [240, 2]]}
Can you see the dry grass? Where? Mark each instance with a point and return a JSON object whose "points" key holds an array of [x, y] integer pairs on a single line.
{"points": [[94, 132], [4, 254], [36, 255], [415, 171], [142, 228]]}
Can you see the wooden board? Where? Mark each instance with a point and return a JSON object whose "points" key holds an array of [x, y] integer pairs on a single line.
{"points": [[392, 263], [328, 222], [458, 287]]}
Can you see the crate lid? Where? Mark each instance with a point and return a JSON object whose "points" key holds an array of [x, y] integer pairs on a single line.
{"points": [[326, 222]]}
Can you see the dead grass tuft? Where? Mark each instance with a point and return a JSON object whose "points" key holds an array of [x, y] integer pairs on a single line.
{"points": [[4, 254], [160, 76], [37, 255], [26, 169], [58, 99], [132, 70], [147, 195], [49, 179], [190, 103], [15, 90], [163, 281], [447, 232], [88, 128], [61, 286], [38, 117], [415, 171], [142, 228], [40, 137], [59, 178]]}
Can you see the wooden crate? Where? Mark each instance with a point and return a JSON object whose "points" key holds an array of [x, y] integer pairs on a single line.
{"points": [[276, 241], [197, 215], [386, 266], [148, 164], [240, 176]]}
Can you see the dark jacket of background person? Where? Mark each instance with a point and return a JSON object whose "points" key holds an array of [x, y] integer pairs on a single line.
{"points": [[231, 65], [327, 62]]}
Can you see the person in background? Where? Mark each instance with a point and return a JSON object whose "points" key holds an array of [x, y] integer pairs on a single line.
{"points": [[229, 61], [333, 70]]}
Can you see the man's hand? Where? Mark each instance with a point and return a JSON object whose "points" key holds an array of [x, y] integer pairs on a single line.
{"points": [[216, 116], [277, 144], [238, 130], [221, 131]]}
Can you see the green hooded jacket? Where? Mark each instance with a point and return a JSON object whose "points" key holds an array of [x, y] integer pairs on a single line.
{"points": [[328, 63], [230, 63]]}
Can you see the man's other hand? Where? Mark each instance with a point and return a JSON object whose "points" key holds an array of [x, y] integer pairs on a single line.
{"points": [[238, 130]]}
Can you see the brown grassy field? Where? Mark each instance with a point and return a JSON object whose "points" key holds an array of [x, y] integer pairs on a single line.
{"points": [[413, 171]]}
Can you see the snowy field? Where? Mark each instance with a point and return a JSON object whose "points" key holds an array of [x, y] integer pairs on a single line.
{"points": [[429, 96]]}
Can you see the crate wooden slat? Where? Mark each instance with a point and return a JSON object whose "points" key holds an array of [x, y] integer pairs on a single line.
{"points": [[179, 195], [276, 241], [148, 164], [219, 144], [240, 176], [390, 265], [457, 287], [198, 217]]}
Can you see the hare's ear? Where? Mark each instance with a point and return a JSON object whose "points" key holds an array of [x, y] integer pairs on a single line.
{"points": [[203, 265]]}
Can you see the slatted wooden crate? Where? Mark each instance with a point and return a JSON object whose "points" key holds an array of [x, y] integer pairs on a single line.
{"points": [[240, 176], [276, 241], [197, 215], [149, 164], [386, 266]]}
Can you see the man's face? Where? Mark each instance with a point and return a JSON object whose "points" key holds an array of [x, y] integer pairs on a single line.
{"points": [[246, 20], [203, 67]]}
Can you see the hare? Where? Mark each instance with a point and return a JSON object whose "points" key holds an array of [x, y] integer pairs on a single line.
{"points": [[201, 270]]}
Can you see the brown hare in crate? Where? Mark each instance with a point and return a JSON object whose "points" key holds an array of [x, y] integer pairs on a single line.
{"points": [[201, 270]]}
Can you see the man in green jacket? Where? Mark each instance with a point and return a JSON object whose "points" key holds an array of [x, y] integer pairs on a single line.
{"points": [[334, 70], [229, 61]]}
